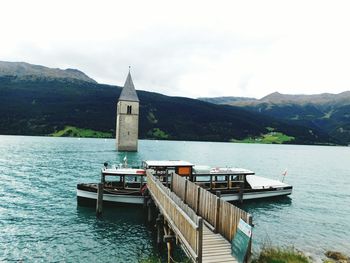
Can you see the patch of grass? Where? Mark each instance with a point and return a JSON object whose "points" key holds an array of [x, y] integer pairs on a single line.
{"points": [[71, 131], [158, 134], [269, 138], [281, 255]]}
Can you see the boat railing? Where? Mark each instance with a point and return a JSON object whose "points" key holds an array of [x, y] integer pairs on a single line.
{"points": [[213, 182]]}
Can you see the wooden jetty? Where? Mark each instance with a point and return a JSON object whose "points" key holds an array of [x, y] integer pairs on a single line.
{"points": [[202, 223]]}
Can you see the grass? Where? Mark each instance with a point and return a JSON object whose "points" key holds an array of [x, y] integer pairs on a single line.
{"points": [[71, 131], [281, 255], [158, 134], [269, 138]]}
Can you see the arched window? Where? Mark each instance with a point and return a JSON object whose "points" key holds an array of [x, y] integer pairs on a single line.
{"points": [[128, 110]]}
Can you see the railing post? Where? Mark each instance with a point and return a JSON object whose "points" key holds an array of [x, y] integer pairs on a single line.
{"points": [[198, 199], [185, 195], [200, 240], [217, 215], [172, 182]]}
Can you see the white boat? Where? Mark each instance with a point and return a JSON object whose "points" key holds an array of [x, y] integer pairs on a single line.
{"points": [[124, 185], [238, 184], [121, 185]]}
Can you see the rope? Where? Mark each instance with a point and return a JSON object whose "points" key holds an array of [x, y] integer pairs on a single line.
{"points": [[174, 261]]}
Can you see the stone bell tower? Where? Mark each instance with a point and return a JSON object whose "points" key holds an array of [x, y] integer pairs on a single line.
{"points": [[127, 127]]}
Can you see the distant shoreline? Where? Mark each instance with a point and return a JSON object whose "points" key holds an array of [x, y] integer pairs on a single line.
{"points": [[174, 140]]}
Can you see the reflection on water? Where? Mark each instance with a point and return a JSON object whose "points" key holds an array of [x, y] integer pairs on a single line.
{"points": [[272, 203]]}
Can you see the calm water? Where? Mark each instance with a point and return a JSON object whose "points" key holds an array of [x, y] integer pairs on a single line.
{"points": [[40, 221]]}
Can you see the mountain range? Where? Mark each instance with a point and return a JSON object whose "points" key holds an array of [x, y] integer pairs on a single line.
{"points": [[37, 100], [326, 112]]}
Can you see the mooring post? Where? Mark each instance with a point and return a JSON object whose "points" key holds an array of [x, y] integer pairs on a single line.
{"points": [[159, 224], [249, 251], [169, 239], [99, 201], [145, 200], [150, 206], [217, 212], [241, 187]]}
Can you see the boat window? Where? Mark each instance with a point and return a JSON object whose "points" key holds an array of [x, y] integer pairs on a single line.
{"points": [[134, 181], [112, 178]]}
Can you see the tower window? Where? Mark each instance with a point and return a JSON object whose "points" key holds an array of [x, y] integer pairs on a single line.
{"points": [[128, 110]]}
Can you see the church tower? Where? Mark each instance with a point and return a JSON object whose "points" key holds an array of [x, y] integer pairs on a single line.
{"points": [[127, 126]]}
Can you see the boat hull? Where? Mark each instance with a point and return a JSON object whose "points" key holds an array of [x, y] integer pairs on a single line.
{"points": [[88, 197], [257, 194]]}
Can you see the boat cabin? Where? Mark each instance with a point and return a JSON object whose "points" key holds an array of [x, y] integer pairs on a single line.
{"points": [[123, 178], [162, 168], [221, 179]]}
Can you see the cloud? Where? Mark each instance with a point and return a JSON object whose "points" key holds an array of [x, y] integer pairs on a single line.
{"points": [[187, 48]]}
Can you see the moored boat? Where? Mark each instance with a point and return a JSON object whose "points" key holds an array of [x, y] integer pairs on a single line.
{"points": [[125, 185], [121, 185]]}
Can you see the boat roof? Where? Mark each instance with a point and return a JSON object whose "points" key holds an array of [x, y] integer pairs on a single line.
{"points": [[122, 171], [258, 182], [198, 169], [167, 163]]}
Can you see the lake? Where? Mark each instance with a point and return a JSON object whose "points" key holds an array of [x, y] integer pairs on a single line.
{"points": [[40, 220]]}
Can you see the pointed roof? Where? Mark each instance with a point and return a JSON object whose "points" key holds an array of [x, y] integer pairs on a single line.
{"points": [[128, 92]]}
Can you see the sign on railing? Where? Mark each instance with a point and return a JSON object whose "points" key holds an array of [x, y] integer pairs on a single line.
{"points": [[240, 242]]}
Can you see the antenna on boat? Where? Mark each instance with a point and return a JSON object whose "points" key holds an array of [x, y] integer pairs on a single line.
{"points": [[284, 174], [125, 161]]}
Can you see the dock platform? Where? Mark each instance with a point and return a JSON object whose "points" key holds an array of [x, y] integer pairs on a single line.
{"points": [[202, 223]]}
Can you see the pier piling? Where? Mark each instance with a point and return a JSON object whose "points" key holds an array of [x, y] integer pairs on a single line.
{"points": [[159, 224], [99, 201], [150, 208], [169, 239]]}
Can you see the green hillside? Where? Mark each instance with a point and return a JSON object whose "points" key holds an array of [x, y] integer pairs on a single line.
{"points": [[46, 106], [329, 113]]}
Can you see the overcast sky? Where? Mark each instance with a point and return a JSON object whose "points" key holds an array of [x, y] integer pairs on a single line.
{"points": [[187, 48]]}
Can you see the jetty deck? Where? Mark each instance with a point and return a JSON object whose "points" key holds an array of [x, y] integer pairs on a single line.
{"points": [[215, 248], [201, 222]]}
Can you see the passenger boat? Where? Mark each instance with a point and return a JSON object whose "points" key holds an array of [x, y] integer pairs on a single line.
{"points": [[121, 185], [238, 184], [126, 185]]}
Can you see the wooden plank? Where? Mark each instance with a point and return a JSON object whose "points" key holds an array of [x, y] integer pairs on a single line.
{"points": [[218, 251]]}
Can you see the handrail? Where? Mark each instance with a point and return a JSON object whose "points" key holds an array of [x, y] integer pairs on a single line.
{"points": [[222, 215], [183, 220]]}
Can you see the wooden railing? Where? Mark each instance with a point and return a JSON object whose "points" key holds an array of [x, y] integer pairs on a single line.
{"points": [[222, 215], [183, 220]]}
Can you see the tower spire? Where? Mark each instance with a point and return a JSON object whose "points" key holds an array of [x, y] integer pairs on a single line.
{"points": [[128, 92]]}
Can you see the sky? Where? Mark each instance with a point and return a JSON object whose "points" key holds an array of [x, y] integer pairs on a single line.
{"points": [[187, 48]]}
